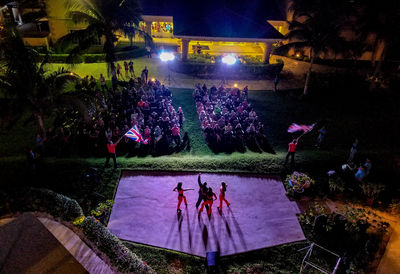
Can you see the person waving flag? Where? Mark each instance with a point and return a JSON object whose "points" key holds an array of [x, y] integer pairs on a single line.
{"points": [[295, 127], [134, 134]]}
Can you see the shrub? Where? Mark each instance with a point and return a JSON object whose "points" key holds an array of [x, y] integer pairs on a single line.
{"points": [[43, 200], [119, 255], [96, 58]]}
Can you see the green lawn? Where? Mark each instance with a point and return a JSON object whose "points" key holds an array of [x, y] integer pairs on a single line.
{"points": [[372, 117]]}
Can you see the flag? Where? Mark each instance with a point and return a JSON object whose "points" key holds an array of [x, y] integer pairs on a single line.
{"points": [[295, 127], [135, 135]]}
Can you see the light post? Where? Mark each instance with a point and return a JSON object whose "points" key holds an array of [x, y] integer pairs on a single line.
{"points": [[167, 57], [229, 60]]}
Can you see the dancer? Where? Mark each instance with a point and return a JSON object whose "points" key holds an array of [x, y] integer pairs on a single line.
{"points": [[222, 191], [209, 201], [181, 197], [202, 192]]}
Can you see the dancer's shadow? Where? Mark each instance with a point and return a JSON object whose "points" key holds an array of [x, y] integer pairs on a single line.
{"points": [[189, 230], [216, 238], [239, 231], [227, 227], [176, 220]]}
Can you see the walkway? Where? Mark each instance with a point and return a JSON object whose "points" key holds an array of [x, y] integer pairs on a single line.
{"points": [[390, 262], [159, 70]]}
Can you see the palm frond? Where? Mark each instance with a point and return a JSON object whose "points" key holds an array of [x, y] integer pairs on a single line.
{"points": [[82, 17]]}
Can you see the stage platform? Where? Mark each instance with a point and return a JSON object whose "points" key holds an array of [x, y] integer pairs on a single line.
{"points": [[260, 214]]}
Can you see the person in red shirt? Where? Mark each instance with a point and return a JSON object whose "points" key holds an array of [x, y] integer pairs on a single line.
{"points": [[181, 197], [209, 201], [111, 152], [222, 191], [176, 134], [291, 151]]}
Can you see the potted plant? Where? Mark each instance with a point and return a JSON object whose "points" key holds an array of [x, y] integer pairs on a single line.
{"points": [[297, 182]]}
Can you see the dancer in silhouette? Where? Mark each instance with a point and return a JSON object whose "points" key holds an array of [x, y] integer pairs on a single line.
{"points": [[209, 201], [202, 191]]}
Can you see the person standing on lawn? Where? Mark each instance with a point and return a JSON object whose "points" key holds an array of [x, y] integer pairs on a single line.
{"points": [[353, 151], [321, 137], [111, 152], [222, 191], [291, 151], [181, 197]]}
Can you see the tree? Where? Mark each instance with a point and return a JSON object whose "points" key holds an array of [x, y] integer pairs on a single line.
{"points": [[381, 20], [26, 83], [103, 18], [316, 25]]}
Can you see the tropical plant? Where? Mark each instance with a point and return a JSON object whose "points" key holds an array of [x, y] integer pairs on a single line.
{"points": [[104, 18], [381, 20], [372, 190], [27, 85], [317, 26]]}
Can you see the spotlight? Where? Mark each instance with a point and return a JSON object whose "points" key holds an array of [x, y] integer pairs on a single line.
{"points": [[153, 79], [229, 59], [235, 85], [167, 56]]}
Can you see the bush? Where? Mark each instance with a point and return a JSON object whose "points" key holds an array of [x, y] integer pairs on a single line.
{"points": [[119, 255], [96, 58], [43, 200], [218, 70]]}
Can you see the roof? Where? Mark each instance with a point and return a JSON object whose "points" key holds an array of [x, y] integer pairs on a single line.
{"points": [[28, 247], [219, 18]]}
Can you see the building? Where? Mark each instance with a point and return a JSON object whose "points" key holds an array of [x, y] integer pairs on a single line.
{"points": [[219, 27]]}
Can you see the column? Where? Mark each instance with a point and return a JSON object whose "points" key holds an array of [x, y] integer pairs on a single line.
{"points": [[267, 51], [185, 49], [148, 27]]}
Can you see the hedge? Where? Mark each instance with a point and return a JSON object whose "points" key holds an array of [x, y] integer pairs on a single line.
{"points": [[218, 70], [60, 206], [42, 200], [120, 256], [96, 58]]}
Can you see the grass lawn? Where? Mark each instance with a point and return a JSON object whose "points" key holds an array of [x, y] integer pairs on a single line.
{"points": [[360, 115]]}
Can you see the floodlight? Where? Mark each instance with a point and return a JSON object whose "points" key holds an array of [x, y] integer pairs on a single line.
{"points": [[229, 59], [167, 56]]}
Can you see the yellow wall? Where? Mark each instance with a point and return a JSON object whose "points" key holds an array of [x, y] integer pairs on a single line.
{"points": [[59, 24], [36, 42]]}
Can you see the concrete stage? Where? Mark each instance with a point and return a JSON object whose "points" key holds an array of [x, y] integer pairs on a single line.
{"points": [[260, 214]]}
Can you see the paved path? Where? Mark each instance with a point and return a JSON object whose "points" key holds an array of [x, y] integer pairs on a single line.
{"points": [[159, 70], [260, 215], [390, 262]]}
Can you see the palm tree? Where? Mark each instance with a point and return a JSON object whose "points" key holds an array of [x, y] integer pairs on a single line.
{"points": [[381, 19], [316, 25], [103, 18], [26, 83]]}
